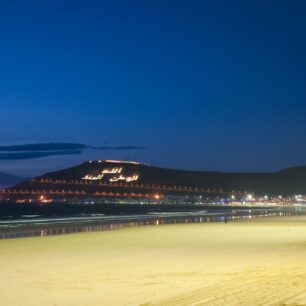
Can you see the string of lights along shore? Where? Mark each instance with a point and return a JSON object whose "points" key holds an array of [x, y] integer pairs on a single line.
{"points": [[123, 181]]}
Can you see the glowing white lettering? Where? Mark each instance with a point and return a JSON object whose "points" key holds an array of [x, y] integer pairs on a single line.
{"points": [[125, 178], [92, 177], [132, 178], [112, 171]]}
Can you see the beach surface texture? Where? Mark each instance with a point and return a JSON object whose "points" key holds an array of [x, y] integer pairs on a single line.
{"points": [[253, 262]]}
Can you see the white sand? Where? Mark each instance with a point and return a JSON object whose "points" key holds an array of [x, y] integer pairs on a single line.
{"points": [[243, 263]]}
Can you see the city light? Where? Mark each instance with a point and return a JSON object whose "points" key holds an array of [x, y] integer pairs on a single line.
{"points": [[249, 197], [121, 162]]}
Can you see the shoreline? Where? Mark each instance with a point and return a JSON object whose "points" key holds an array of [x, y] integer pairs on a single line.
{"points": [[34, 226]]}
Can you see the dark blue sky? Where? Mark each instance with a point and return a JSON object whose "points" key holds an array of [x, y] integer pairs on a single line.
{"points": [[212, 85]]}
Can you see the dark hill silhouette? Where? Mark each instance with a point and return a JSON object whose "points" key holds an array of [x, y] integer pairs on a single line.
{"points": [[286, 182]]}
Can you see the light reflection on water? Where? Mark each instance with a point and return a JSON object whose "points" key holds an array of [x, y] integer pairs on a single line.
{"points": [[43, 231]]}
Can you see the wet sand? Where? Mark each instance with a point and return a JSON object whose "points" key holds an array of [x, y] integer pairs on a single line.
{"points": [[256, 262]]}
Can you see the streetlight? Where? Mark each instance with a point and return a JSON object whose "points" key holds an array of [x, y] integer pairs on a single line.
{"points": [[249, 197]]}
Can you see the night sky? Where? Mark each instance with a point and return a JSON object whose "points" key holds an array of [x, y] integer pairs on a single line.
{"points": [[207, 85]]}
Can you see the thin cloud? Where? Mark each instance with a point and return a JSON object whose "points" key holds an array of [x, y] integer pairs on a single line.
{"points": [[34, 147], [32, 155], [120, 148], [39, 150], [58, 146]]}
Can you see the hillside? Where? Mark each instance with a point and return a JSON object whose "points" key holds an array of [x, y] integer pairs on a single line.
{"points": [[120, 173]]}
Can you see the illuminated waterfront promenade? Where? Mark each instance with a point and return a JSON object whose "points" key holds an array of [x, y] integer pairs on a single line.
{"points": [[124, 180]]}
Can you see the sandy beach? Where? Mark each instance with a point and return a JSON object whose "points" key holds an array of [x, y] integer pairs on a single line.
{"points": [[254, 262]]}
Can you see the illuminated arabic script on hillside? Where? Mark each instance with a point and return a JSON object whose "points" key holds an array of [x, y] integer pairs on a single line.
{"points": [[113, 175]]}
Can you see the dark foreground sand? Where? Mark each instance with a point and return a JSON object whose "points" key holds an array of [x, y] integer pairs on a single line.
{"points": [[260, 262]]}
